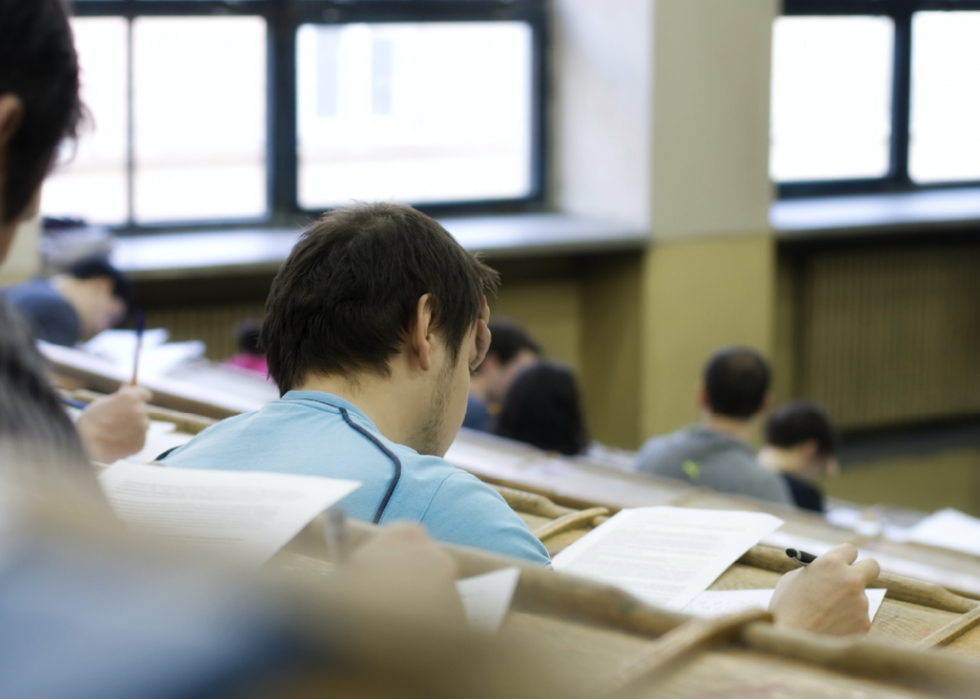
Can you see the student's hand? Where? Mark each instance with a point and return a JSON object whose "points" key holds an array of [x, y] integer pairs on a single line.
{"points": [[113, 427], [828, 595], [401, 571], [482, 334]]}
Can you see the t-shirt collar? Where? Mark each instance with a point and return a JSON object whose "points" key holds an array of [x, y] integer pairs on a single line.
{"points": [[331, 400]]}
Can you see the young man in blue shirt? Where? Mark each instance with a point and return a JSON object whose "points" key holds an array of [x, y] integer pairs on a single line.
{"points": [[372, 328]]}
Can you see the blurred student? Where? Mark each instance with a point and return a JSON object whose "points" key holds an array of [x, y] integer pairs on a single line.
{"points": [[91, 296], [250, 356], [543, 408], [371, 330], [716, 453], [801, 446], [39, 107], [511, 350]]}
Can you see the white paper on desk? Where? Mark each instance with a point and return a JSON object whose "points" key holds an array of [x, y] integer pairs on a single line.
{"points": [[486, 598], [244, 515], [715, 603], [949, 529], [666, 556]]}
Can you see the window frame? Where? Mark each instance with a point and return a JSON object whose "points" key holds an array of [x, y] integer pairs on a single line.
{"points": [[283, 20], [897, 179]]}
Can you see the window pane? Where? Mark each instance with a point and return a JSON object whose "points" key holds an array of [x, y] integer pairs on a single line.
{"points": [[944, 139], [435, 112], [199, 117], [831, 97], [91, 182]]}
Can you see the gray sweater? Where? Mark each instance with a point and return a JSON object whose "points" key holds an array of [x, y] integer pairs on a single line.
{"points": [[713, 460]]}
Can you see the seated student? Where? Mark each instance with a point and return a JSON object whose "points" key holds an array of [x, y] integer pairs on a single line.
{"points": [[542, 408], [371, 330], [716, 454], [511, 350], [39, 107], [801, 446], [250, 357], [90, 297]]}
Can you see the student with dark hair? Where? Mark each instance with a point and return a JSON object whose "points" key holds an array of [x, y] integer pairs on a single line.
{"points": [[371, 330], [801, 446], [250, 357], [542, 408], [511, 350], [39, 108], [91, 296], [716, 453]]}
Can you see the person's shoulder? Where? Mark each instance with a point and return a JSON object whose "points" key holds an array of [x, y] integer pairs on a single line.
{"points": [[660, 449], [466, 511]]}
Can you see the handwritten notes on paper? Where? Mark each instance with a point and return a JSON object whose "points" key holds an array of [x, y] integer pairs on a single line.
{"points": [[486, 598], [666, 556], [715, 603], [243, 515]]}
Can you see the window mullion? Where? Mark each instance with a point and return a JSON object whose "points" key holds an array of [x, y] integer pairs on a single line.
{"points": [[901, 96]]}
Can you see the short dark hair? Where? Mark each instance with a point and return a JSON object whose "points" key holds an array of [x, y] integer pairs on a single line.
{"points": [[38, 63], [799, 422], [96, 267], [508, 339], [346, 297], [736, 380], [542, 408]]}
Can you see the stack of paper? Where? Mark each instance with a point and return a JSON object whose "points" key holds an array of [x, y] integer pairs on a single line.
{"points": [[666, 556], [243, 515], [949, 529]]}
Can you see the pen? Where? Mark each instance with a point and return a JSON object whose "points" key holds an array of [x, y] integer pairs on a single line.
{"points": [[335, 533], [139, 345], [801, 557], [72, 403]]}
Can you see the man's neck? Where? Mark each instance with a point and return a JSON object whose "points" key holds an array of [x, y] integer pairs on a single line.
{"points": [[781, 460], [739, 429], [382, 400]]}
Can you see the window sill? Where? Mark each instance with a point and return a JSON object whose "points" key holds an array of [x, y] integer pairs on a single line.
{"points": [[261, 251], [799, 219]]}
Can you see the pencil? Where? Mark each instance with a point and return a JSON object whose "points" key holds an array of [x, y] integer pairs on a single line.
{"points": [[139, 345]]}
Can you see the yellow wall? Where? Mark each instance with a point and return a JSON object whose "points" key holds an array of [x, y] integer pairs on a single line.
{"points": [[699, 295]]}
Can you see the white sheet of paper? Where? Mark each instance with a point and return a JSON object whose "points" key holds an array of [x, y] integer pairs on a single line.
{"points": [[949, 529], [486, 598], [714, 603], [666, 556], [244, 515]]}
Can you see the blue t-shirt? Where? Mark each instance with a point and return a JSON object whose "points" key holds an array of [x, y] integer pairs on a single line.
{"points": [[52, 318], [312, 433], [477, 415]]}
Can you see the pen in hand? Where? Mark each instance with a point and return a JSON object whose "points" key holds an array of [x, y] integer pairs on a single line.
{"points": [[139, 346], [801, 557]]}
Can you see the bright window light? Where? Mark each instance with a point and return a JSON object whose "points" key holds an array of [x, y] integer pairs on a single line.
{"points": [[90, 182], [831, 98], [944, 141], [414, 112], [199, 118]]}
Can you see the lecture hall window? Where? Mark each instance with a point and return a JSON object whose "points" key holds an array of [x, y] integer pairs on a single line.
{"points": [[875, 96], [265, 112]]}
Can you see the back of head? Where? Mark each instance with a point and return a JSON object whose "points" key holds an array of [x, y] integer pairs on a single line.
{"points": [[39, 65], [799, 422], [98, 267], [542, 408], [343, 302], [736, 380], [509, 340]]}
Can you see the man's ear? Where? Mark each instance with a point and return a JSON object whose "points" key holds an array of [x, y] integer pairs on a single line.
{"points": [[766, 403], [703, 402], [420, 336], [102, 284], [810, 448], [11, 116]]}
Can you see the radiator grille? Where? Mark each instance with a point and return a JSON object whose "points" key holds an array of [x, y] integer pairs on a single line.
{"points": [[214, 324], [890, 336]]}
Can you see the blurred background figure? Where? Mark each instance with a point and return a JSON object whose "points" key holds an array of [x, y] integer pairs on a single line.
{"points": [[543, 408], [716, 453], [511, 349], [91, 296], [250, 357], [801, 446]]}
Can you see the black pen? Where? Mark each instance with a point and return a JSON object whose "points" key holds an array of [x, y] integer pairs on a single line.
{"points": [[801, 557]]}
